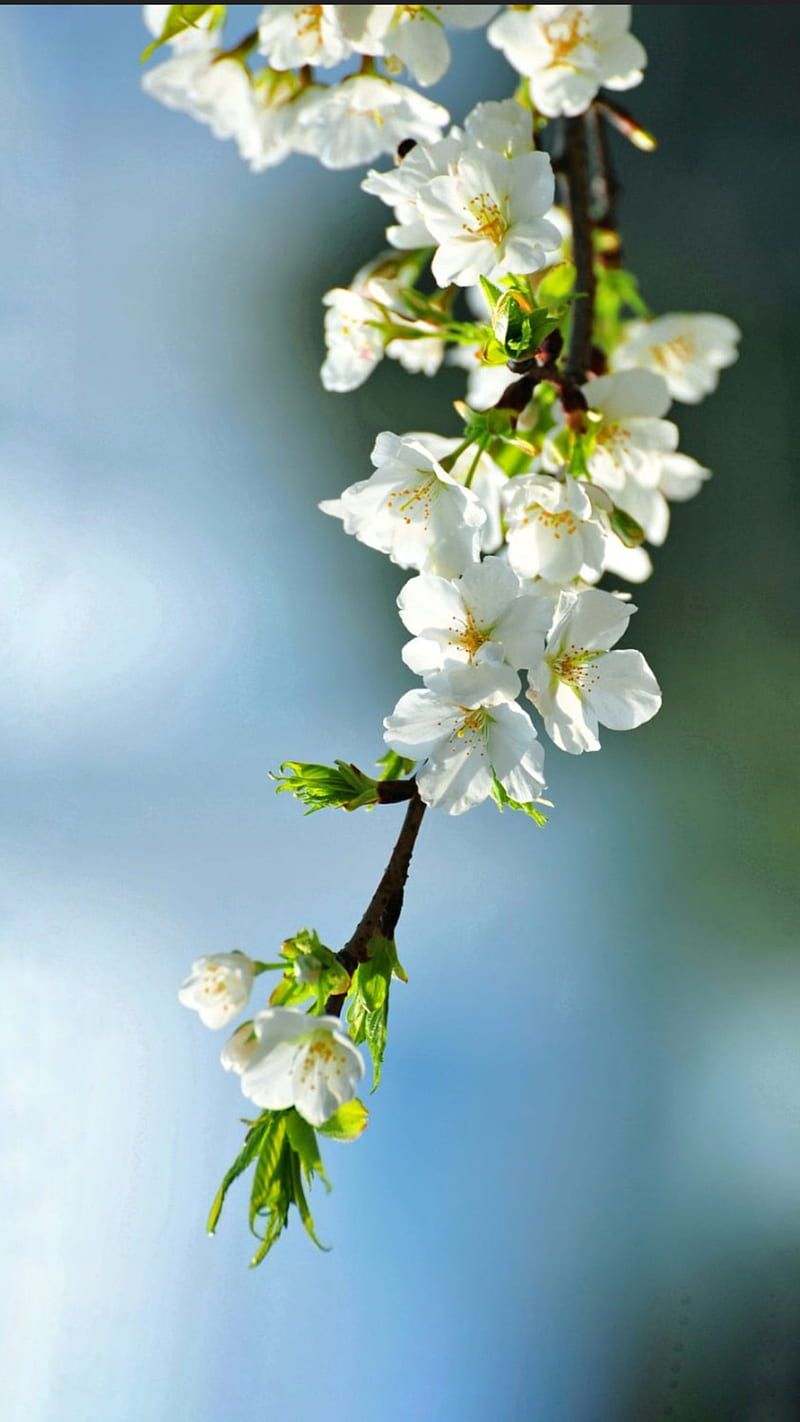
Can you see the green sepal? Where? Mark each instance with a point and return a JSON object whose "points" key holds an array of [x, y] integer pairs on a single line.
{"points": [[332, 978], [626, 528], [321, 787], [503, 801], [180, 18], [348, 1123]]}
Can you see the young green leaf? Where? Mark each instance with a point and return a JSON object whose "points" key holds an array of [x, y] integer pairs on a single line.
{"points": [[253, 1142]]}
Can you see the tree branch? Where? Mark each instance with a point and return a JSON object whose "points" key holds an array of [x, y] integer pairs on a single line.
{"points": [[384, 908], [576, 169]]}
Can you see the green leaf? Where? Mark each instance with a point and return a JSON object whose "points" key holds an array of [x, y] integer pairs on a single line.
{"points": [[395, 767], [556, 285], [252, 1145], [368, 1006], [322, 787], [347, 1123], [299, 1199], [265, 1196], [303, 1140], [180, 18], [503, 801], [491, 292]]}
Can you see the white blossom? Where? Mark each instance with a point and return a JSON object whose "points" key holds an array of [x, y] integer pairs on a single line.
{"points": [[294, 35], [501, 125], [488, 216], [214, 91], [412, 510], [632, 438], [297, 1060], [569, 51], [355, 121], [218, 987], [400, 187], [554, 529], [466, 729], [355, 344], [453, 620], [415, 35], [239, 1048], [356, 325], [486, 480], [681, 477], [689, 351], [580, 684]]}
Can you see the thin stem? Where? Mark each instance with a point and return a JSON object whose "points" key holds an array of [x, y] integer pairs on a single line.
{"points": [[384, 908], [576, 165]]}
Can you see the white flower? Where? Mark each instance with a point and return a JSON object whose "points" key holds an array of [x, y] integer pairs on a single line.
{"points": [[412, 510], [580, 684], [239, 1048], [553, 528], [414, 35], [688, 351], [216, 92], [355, 325], [487, 482], [488, 216], [466, 729], [485, 607], [400, 187], [569, 51], [502, 125], [218, 987], [631, 440], [293, 35], [682, 477], [355, 343], [364, 116], [298, 1060]]}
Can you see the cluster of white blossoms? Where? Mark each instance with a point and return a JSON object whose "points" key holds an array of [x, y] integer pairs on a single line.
{"points": [[558, 481], [283, 1057], [567, 465], [266, 94]]}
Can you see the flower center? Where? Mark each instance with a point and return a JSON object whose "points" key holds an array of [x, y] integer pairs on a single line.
{"points": [[308, 19], [575, 667], [564, 35], [471, 637], [673, 355], [555, 523], [489, 220], [470, 735], [416, 503]]}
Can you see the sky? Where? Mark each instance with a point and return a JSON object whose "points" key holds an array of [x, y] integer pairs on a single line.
{"points": [[577, 1196]]}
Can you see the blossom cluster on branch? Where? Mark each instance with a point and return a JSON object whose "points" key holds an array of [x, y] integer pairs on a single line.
{"points": [[504, 258]]}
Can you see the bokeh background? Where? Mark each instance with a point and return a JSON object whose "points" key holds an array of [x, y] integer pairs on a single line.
{"points": [[579, 1196]]}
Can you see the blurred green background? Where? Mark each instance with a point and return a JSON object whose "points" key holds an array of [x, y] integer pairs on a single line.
{"points": [[578, 1197]]}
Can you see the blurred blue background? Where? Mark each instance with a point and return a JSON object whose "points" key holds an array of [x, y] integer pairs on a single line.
{"points": [[578, 1198]]}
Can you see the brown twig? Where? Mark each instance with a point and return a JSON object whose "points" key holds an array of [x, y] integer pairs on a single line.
{"points": [[384, 908], [576, 169]]}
